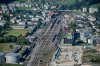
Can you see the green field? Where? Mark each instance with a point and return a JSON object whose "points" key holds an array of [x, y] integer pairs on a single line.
{"points": [[57, 1], [10, 65], [96, 5], [24, 8], [65, 1], [16, 32], [23, 0], [62, 1], [5, 47]]}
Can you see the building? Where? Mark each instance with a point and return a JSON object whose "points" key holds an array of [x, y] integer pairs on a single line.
{"points": [[53, 7], [2, 24], [86, 37], [86, 65], [67, 39], [46, 6], [98, 44], [4, 8], [84, 9], [2, 57], [93, 10], [18, 4], [67, 56], [18, 27], [91, 18], [28, 4], [12, 58]]}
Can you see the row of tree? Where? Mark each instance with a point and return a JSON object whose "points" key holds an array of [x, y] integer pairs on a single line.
{"points": [[9, 38], [21, 40]]}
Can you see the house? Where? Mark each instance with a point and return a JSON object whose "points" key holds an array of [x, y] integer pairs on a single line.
{"points": [[4, 8], [2, 24], [46, 6], [35, 19], [28, 4], [1, 17], [98, 44], [22, 4], [18, 27], [12, 4], [84, 9], [91, 18], [84, 36], [13, 20], [1, 12], [17, 4], [53, 6], [86, 65]]}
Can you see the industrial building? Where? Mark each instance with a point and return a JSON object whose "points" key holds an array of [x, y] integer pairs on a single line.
{"points": [[93, 10], [12, 58]]}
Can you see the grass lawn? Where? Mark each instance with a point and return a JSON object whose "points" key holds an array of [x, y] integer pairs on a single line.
{"points": [[65, 1], [23, 0], [5, 47], [24, 8], [95, 5], [10, 65], [16, 32], [57, 1]]}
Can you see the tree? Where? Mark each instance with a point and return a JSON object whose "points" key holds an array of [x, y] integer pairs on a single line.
{"points": [[1, 40], [22, 41], [11, 46]]}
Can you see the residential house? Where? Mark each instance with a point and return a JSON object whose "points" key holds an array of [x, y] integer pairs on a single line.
{"points": [[98, 44], [2, 24], [28, 4], [4, 8]]}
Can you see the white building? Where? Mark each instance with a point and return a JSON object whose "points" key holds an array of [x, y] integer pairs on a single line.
{"points": [[46, 6], [2, 24], [84, 9], [91, 18], [13, 58], [18, 4], [28, 4], [93, 10]]}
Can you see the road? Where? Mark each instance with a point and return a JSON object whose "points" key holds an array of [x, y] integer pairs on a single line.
{"points": [[44, 43]]}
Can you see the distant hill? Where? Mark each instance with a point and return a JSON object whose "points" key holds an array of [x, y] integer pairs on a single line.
{"points": [[9, 1], [95, 5], [6, 1]]}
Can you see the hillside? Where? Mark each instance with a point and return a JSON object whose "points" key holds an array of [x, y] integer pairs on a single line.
{"points": [[96, 5], [69, 2]]}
